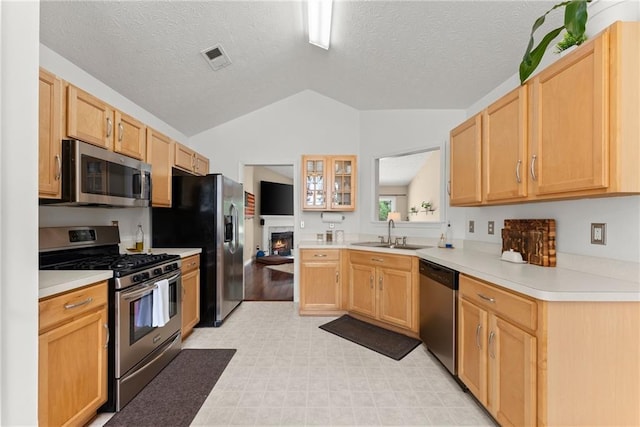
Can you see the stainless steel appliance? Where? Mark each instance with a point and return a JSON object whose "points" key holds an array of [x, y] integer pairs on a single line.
{"points": [[94, 176], [438, 297], [207, 212], [138, 350]]}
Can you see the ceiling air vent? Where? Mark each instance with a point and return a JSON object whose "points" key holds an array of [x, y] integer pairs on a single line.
{"points": [[216, 57]]}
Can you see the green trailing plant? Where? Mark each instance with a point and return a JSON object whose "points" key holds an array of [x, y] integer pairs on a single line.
{"points": [[426, 205], [569, 41], [575, 22]]}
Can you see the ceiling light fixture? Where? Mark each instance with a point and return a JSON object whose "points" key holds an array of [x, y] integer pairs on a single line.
{"points": [[319, 15]]}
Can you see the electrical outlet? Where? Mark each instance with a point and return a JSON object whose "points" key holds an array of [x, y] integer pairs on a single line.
{"points": [[472, 226], [598, 233], [491, 227], [301, 224]]}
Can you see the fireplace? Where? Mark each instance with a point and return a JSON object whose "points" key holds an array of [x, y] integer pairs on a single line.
{"points": [[276, 224], [281, 243]]}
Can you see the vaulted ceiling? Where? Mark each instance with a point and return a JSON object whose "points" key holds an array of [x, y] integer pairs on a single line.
{"points": [[383, 55]]}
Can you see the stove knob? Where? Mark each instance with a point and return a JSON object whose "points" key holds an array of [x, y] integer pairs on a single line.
{"points": [[145, 275], [136, 278], [168, 267], [157, 271]]}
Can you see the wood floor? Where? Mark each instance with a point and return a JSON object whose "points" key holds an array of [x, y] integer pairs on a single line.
{"points": [[264, 284]]}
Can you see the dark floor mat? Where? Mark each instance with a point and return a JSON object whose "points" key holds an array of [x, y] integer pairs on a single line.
{"points": [[383, 341], [174, 397]]}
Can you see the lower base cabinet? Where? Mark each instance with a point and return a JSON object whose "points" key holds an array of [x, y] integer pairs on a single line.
{"points": [[72, 356], [549, 363], [190, 294], [320, 282], [384, 287]]}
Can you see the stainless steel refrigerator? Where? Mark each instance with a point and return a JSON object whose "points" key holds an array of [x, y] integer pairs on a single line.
{"points": [[207, 212]]}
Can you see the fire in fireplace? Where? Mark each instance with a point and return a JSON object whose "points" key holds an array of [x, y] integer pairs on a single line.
{"points": [[282, 243]]}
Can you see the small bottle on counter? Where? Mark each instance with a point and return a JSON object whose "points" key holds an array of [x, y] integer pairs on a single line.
{"points": [[442, 243], [449, 237], [139, 239]]}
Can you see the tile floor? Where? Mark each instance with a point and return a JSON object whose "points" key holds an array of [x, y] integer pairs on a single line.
{"points": [[287, 371]]}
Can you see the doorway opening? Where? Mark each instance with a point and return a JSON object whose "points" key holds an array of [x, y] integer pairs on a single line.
{"points": [[268, 260]]}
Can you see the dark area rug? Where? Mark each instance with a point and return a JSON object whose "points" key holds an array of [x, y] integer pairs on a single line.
{"points": [[383, 341], [174, 397], [274, 259]]}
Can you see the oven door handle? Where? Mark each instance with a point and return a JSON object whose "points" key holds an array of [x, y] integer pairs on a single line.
{"points": [[147, 289]]}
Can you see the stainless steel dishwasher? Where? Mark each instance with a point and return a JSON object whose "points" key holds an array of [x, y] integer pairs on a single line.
{"points": [[438, 312]]}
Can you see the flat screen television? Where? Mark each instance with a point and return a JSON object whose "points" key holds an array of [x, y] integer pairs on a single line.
{"points": [[276, 198]]}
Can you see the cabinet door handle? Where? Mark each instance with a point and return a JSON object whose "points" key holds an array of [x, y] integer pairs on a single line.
{"points": [[377, 259], [478, 329], [320, 255], [380, 282], [193, 162], [106, 342], [449, 187], [120, 131], [109, 127], [78, 304], [371, 282], [486, 298], [59, 167], [518, 179], [533, 167], [492, 353], [337, 277]]}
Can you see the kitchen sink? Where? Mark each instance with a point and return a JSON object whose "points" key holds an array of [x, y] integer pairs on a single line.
{"points": [[391, 245]]}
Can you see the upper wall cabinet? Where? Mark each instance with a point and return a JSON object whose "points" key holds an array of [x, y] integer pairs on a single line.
{"points": [[160, 155], [190, 161], [130, 136], [583, 136], [89, 119], [329, 183], [49, 136], [585, 131], [466, 167]]}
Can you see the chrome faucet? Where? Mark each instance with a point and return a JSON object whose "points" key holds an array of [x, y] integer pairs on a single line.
{"points": [[391, 224]]}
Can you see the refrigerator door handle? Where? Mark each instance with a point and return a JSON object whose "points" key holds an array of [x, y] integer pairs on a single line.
{"points": [[234, 239]]}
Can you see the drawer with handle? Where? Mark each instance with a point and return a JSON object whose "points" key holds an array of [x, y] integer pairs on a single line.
{"points": [[190, 263], [381, 259], [320, 254], [66, 306], [513, 307]]}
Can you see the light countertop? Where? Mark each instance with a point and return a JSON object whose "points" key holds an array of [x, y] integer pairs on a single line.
{"points": [[543, 283], [52, 282], [183, 252]]}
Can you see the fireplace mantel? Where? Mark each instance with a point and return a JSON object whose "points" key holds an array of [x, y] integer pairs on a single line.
{"points": [[274, 223]]}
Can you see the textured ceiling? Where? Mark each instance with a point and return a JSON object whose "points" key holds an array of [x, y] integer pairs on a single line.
{"points": [[383, 55]]}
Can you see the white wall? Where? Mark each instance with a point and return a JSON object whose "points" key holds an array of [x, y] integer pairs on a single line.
{"points": [[426, 186], [19, 34], [573, 218]]}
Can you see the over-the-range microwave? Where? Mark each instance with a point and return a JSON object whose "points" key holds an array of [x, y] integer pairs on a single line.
{"points": [[94, 176]]}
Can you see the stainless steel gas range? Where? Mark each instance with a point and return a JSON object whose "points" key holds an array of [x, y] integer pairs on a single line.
{"points": [[144, 302]]}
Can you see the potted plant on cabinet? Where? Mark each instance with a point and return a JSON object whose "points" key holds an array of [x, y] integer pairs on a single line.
{"points": [[575, 21]]}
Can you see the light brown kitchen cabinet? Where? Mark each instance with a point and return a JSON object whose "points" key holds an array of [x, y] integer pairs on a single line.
{"points": [[465, 184], [72, 356], [130, 136], [89, 119], [190, 294], [384, 287], [497, 350], [190, 161], [160, 156], [49, 136], [329, 182], [320, 281], [504, 145]]}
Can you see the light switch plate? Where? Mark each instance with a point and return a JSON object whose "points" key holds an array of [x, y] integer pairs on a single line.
{"points": [[598, 233], [491, 227]]}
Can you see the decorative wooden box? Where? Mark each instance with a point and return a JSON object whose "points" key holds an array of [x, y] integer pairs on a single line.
{"points": [[535, 239]]}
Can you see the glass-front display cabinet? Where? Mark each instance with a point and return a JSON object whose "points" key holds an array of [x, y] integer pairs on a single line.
{"points": [[329, 182]]}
